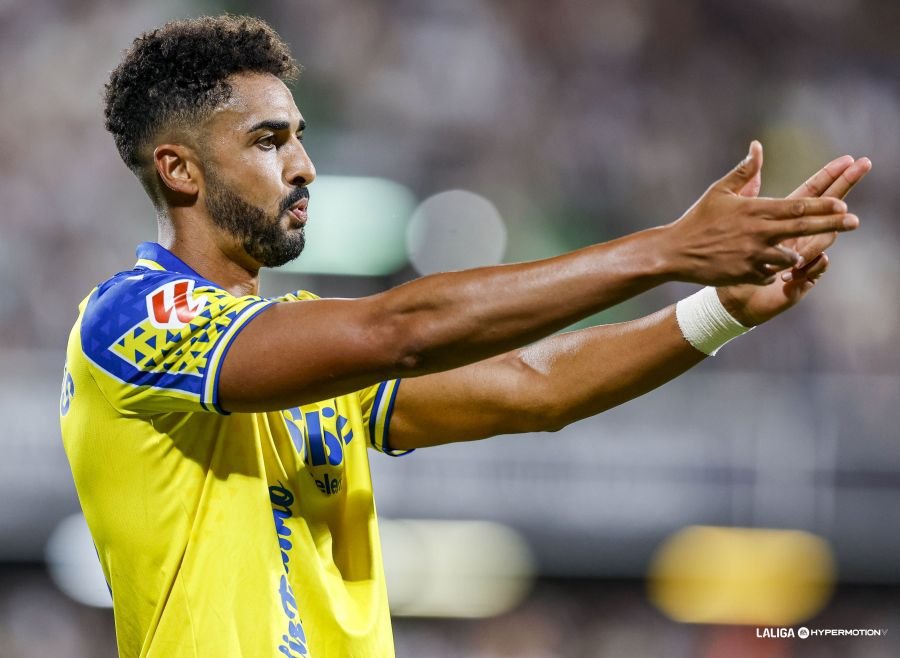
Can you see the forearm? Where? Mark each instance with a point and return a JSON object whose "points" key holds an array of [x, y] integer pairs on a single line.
{"points": [[582, 373], [305, 351], [544, 386], [429, 325], [461, 317], [564, 378]]}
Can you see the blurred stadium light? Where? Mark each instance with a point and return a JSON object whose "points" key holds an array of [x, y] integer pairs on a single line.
{"points": [[454, 568], [356, 227], [762, 577], [455, 230], [608, 118], [466, 569], [73, 563]]}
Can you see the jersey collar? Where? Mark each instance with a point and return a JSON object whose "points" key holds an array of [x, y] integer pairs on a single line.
{"points": [[153, 256]]}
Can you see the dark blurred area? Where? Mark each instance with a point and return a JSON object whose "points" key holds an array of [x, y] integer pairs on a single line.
{"points": [[575, 619], [580, 121]]}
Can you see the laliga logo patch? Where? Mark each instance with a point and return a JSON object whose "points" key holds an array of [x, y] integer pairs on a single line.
{"points": [[173, 305]]}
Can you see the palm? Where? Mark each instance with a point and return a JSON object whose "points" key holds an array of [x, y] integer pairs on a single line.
{"points": [[761, 303], [753, 304]]}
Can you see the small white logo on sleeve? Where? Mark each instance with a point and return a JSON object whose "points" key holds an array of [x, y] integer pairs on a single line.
{"points": [[803, 632]]}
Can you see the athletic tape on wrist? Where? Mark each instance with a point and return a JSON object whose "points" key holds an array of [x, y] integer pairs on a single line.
{"points": [[705, 323]]}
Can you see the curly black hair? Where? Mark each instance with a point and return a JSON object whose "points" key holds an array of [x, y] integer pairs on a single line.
{"points": [[177, 74]]}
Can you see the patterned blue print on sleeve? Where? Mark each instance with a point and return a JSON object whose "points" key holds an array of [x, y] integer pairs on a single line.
{"points": [[158, 330]]}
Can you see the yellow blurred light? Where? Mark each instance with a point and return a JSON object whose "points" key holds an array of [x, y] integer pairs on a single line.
{"points": [[705, 574]]}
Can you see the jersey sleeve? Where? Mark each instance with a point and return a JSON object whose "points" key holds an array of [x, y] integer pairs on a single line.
{"points": [[155, 341], [377, 404]]}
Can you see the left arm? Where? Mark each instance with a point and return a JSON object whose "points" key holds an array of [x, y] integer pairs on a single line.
{"points": [[544, 386], [567, 377]]}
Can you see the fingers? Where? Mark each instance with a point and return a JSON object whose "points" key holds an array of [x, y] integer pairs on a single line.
{"points": [[809, 272], [835, 179], [816, 268], [735, 180], [824, 178], [848, 178], [751, 189], [813, 245], [792, 228], [784, 208], [777, 259]]}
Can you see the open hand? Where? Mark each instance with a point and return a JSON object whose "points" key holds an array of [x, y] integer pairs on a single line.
{"points": [[752, 305], [726, 238]]}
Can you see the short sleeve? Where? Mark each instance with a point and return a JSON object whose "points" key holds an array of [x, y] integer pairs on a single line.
{"points": [[377, 405], [155, 340]]}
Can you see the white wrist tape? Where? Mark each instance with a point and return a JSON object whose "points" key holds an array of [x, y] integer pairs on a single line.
{"points": [[705, 323]]}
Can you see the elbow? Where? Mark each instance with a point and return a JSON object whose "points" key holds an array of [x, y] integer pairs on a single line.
{"points": [[420, 342], [533, 402], [425, 335], [416, 348], [410, 361], [406, 344], [555, 425], [536, 418], [550, 420]]}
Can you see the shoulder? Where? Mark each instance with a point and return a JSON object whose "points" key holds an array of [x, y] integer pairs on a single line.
{"points": [[157, 338], [136, 318], [165, 300]]}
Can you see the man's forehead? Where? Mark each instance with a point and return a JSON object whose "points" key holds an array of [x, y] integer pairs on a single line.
{"points": [[257, 97]]}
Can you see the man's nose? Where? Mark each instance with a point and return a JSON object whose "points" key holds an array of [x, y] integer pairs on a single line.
{"points": [[300, 170]]}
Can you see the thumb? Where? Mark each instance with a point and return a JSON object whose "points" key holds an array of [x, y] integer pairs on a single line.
{"points": [[752, 188], [745, 171]]}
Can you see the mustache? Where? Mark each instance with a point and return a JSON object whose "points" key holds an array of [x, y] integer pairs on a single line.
{"points": [[292, 198]]}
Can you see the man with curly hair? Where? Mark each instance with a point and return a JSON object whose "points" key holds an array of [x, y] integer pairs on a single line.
{"points": [[218, 439]]}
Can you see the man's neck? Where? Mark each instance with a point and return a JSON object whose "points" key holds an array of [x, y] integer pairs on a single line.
{"points": [[211, 260]]}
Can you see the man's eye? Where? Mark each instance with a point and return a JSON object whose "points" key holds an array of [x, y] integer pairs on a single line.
{"points": [[300, 136], [266, 143]]}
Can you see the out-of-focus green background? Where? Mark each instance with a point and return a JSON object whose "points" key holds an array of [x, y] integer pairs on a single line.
{"points": [[573, 122]]}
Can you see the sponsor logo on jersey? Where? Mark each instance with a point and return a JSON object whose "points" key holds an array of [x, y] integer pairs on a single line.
{"points": [[173, 305], [321, 436], [292, 643]]}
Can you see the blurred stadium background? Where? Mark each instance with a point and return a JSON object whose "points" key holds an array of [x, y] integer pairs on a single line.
{"points": [[553, 125]]}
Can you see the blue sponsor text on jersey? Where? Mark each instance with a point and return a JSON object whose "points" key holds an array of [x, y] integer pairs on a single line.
{"points": [[293, 643], [320, 438]]}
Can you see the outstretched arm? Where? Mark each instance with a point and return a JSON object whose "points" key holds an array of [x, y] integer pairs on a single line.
{"points": [[567, 377], [300, 352]]}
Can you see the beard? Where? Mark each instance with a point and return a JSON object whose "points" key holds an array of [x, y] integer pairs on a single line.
{"points": [[259, 233]]}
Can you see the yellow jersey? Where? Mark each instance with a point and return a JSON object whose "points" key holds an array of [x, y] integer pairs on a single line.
{"points": [[246, 534]]}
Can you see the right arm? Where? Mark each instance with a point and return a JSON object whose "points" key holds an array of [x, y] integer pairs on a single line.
{"points": [[300, 352]]}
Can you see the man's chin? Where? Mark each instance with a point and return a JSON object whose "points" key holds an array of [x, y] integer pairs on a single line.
{"points": [[281, 254]]}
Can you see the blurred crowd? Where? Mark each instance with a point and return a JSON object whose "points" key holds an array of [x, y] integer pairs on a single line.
{"points": [[561, 619], [580, 120]]}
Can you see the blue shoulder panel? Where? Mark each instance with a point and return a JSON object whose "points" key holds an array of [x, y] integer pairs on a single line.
{"points": [[116, 335]]}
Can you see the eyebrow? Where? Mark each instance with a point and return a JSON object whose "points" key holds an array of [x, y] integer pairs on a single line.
{"points": [[276, 125]]}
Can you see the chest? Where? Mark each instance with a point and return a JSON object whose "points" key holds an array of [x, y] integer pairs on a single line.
{"points": [[318, 450]]}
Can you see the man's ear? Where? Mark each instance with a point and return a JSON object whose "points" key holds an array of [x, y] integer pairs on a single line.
{"points": [[178, 170]]}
